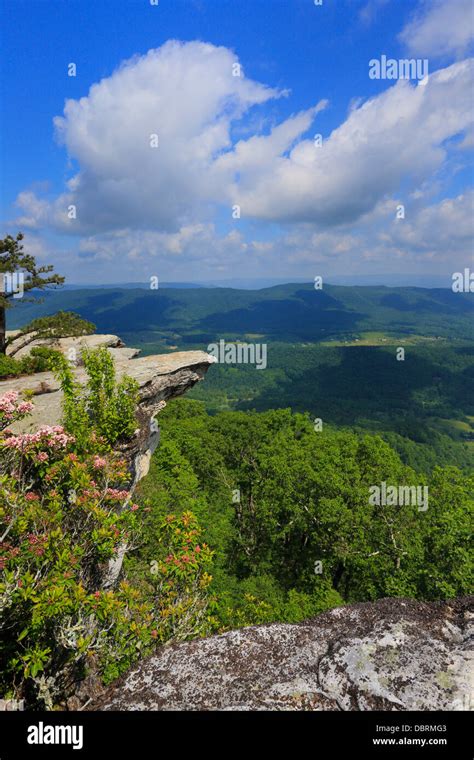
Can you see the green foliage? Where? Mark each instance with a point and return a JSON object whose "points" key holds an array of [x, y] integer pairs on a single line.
{"points": [[65, 514], [14, 259], [9, 367], [411, 404], [63, 324], [103, 404], [275, 498], [63, 518], [180, 578], [38, 360], [260, 599]]}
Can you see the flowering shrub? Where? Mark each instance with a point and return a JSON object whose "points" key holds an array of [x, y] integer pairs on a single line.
{"points": [[62, 518], [11, 409], [65, 514], [31, 444], [181, 580]]}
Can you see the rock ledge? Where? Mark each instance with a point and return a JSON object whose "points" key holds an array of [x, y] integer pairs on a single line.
{"points": [[393, 654]]}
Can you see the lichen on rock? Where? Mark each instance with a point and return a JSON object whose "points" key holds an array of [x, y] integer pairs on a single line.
{"points": [[392, 654]]}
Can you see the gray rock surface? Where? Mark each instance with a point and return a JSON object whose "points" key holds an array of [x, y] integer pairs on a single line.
{"points": [[160, 378], [65, 344], [393, 654]]}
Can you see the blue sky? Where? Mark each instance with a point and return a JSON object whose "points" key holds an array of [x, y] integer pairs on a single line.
{"points": [[227, 141]]}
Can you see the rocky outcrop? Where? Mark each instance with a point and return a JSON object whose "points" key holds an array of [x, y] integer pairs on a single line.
{"points": [[160, 378], [23, 345], [393, 654]]}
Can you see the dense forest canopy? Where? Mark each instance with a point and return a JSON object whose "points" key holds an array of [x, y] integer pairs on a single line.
{"points": [[287, 510]]}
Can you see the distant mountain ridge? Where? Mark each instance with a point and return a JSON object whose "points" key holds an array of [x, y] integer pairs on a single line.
{"points": [[290, 312], [258, 283]]}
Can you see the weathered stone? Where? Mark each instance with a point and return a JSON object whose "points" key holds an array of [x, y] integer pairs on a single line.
{"points": [[159, 377], [65, 344], [393, 654], [123, 353]]}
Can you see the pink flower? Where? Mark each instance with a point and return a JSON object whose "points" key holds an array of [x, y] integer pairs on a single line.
{"points": [[30, 496], [11, 410], [134, 507], [53, 437], [7, 403], [115, 493], [25, 407], [99, 462], [42, 456]]}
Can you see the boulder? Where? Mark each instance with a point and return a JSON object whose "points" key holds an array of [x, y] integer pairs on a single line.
{"points": [[392, 654]]}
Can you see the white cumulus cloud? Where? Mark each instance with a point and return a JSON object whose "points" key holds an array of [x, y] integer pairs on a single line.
{"points": [[440, 28], [146, 206], [187, 96], [397, 135]]}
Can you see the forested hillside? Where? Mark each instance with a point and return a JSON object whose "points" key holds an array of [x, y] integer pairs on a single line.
{"points": [[286, 312], [423, 405], [286, 510], [331, 353]]}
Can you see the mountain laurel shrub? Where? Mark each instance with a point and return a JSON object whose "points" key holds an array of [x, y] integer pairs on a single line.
{"points": [[181, 578], [63, 516], [65, 513]]}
